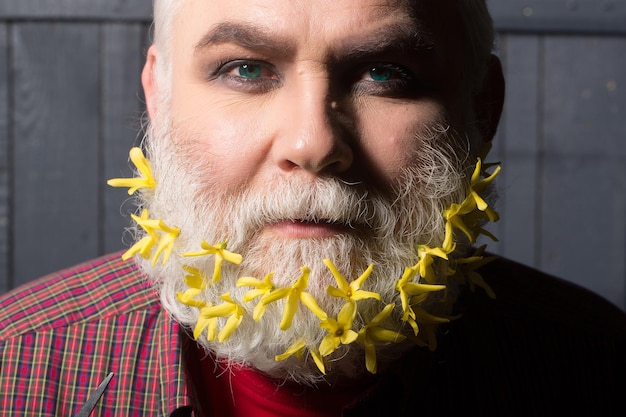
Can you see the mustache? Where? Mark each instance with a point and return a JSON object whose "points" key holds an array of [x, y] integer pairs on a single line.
{"points": [[320, 200]]}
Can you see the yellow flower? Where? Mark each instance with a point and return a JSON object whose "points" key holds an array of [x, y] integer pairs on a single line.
{"points": [[468, 272], [196, 281], [476, 219], [373, 333], [205, 321], [464, 216], [158, 233], [407, 288], [339, 330], [144, 246], [427, 336], [142, 164], [262, 289], [419, 315], [425, 264], [220, 253], [350, 291], [454, 219], [166, 234], [229, 308], [479, 185], [296, 348], [294, 294], [319, 361]]}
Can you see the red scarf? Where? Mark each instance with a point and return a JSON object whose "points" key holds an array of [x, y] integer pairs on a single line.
{"points": [[243, 392]]}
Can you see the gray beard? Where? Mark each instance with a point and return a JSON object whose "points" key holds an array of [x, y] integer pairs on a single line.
{"points": [[382, 228]]}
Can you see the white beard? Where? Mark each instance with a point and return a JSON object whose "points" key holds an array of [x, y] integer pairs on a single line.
{"points": [[384, 230]]}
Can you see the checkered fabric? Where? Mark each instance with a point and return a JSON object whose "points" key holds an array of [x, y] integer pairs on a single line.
{"points": [[543, 347], [60, 336]]}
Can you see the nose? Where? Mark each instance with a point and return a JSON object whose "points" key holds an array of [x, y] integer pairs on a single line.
{"points": [[313, 136]]}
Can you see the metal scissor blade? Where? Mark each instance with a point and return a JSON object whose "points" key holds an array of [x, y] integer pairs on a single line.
{"points": [[93, 399]]}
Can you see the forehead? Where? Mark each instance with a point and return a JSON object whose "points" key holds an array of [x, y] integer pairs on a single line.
{"points": [[327, 21]]}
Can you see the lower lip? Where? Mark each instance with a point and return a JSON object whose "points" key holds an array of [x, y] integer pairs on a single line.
{"points": [[306, 230]]}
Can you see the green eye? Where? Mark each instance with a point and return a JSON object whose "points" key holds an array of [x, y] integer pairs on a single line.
{"points": [[381, 73], [250, 70]]}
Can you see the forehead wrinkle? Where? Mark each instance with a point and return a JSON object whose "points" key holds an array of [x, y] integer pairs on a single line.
{"points": [[247, 35]]}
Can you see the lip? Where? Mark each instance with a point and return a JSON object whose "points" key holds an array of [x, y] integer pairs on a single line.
{"points": [[302, 229]]}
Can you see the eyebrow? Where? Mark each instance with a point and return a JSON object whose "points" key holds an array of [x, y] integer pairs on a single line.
{"points": [[246, 35], [402, 37], [405, 37]]}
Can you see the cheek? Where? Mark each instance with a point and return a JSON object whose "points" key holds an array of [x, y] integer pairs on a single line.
{"points": [[392, 136], [221, 138]]}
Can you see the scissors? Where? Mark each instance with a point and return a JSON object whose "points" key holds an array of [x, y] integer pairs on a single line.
{"points": [[93, 399]]}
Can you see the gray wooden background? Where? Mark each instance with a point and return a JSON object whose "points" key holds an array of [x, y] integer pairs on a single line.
{"points": [[70, 102]]}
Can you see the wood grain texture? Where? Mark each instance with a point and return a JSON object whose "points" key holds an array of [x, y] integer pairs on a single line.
{"points": [[579, 16], [553, 16], [122, 108], [517, 146], [56, 147], [5, 197], [584, 197], [76, 9]]}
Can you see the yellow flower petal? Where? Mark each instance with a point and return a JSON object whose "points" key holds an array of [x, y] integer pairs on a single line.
{"points": [[370, 358], [319, 361], [291, 306], [142, 164], [349, 336], [249, 282], [335, 292], [329, 344], [296, 348], [344, 287], [347, 314], [356, 284], [385, 336], [308, 300], [220, 253], [351, 291], [275, 295], [231, 325]]}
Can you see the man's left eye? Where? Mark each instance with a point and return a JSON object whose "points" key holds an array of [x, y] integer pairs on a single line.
{"points": [[386, 80], [382, 73]]}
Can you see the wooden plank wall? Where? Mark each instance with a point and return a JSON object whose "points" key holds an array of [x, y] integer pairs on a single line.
{"points": [[563, 144], [70, 102]]}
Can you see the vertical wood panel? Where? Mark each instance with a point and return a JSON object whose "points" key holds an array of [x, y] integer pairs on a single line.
{"points": [[517, 147], [584, 223], [5, 198], [56, 161], [77, 9], [123, 52]]}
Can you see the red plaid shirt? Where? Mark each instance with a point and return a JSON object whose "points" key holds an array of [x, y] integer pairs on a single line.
{"points": [[60, 336], [543, 347]]}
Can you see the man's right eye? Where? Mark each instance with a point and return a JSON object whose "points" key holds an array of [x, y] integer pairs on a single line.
{"points": [[248, 76], [249, 70]]}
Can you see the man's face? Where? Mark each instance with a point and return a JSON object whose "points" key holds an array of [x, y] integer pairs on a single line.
{"points": [[300, 131], [283, 88]]}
